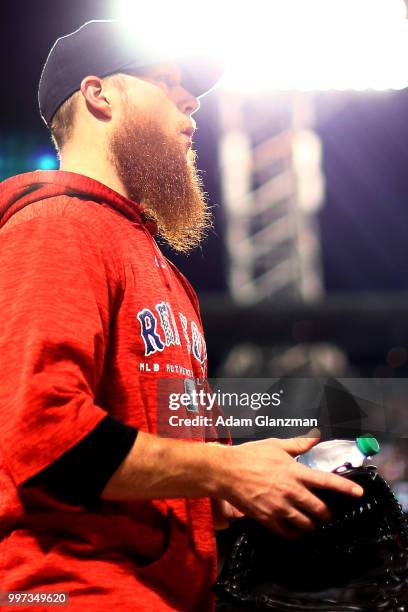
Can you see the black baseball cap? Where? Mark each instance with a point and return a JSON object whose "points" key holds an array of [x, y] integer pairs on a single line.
{"points": [[106, 47]]}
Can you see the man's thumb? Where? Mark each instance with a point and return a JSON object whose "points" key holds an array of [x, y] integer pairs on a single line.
{"points": [[300, 444]]}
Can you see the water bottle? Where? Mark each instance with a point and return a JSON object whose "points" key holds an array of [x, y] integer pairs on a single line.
{"points": [[327, 456]]}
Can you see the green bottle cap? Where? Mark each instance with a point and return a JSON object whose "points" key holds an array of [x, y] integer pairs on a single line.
{"points": [[368, 445]]}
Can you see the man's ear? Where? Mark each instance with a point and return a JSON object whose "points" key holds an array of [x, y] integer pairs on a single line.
{"points": [[94, 92]]}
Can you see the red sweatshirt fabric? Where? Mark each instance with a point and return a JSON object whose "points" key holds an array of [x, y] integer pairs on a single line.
{"points": [[92, 315]]}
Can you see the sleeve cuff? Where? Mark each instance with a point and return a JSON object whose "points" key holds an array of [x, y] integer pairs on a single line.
{"points": [[80, 475]]}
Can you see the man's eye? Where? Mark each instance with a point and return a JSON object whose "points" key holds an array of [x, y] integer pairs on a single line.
{"points": [[165, 78]]}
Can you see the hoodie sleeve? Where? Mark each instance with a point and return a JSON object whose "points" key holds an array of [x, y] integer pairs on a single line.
{"points": [[57, 292]]}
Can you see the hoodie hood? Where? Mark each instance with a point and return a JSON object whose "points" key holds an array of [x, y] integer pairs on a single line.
{"points": [[24, 189]]}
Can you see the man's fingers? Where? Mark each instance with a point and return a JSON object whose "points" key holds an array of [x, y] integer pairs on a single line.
{"points": [[235, 513], [313, 505], [326, 480], [300, 444], [231, 512], [285, 529], [299, 520]]}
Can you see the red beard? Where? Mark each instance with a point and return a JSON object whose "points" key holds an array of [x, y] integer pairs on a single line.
{"points": [[156, 172]]}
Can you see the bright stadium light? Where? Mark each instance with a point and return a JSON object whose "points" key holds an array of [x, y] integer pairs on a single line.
{"points": [[286, 44], [174, 25]]}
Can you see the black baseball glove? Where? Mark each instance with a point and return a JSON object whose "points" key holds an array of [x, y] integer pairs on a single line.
{"points": [[356, 563]]}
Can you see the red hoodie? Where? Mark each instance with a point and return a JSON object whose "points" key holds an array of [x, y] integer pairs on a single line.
{"points": [[92, 315]]}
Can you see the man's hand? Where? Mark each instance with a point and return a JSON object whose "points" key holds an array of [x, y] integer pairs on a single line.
{"points": [[223, 513], [264, 481], [259, 479]]}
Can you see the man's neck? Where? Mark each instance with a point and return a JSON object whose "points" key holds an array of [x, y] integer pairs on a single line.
{"points": [[98, 169]]}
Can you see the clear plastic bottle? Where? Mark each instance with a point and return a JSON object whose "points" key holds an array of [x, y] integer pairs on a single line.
{"points": [[327, 456]]}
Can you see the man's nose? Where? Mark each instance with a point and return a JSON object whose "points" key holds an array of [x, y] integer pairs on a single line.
{"points": [[189, 104]]}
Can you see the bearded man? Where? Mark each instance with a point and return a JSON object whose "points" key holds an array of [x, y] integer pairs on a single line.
{"points": [[94, 502]]}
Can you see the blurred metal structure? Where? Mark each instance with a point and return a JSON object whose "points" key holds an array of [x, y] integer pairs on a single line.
{"points": [[367, 328], [270, 160]]}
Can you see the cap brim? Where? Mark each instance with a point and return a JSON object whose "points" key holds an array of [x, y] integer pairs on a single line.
{"points": [[200, 75]]}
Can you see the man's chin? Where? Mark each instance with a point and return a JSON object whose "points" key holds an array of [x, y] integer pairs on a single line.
{"points": [[191, 157], [160, 173], [181, 236]]}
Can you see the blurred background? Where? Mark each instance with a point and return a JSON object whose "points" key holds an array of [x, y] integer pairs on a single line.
{"points": [[304, 153]]}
